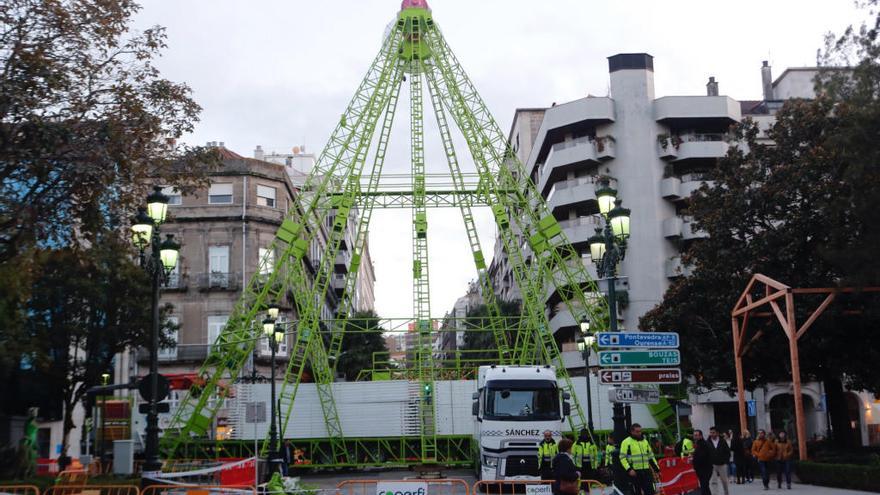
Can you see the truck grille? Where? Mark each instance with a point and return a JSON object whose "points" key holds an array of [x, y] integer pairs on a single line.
{"points": [[519, 465]]}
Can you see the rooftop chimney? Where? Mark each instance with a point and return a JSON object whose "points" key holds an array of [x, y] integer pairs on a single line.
{"points": [[712, 87], [222, 144], [767, 81], [258, 153]]}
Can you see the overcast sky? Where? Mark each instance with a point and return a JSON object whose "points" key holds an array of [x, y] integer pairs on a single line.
{"points": [[279, 74]]}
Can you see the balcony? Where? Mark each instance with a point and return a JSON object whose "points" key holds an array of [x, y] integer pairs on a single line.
{"points": [[686, 110], [578, 230], [670, 188], [176, 282], [704, 146], [561, 320], [689, 230], [599, 110], [692, 182], [569, 152], [571, 192], [674, 268], [196, 353], [338, 282], [219, 281], [672, 227], [342, 261], [692, 146]]}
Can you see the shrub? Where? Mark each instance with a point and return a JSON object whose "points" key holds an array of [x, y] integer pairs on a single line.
{"points": [[857, 477]]}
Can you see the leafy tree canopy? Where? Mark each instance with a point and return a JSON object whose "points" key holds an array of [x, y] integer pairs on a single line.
{"points": [[363, 337]]}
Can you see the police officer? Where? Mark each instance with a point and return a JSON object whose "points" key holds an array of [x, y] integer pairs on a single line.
{"points": [[637, 459], [586, 455], [547, 450]]}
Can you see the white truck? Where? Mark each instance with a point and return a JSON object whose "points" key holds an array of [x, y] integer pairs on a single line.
{"points": [[512, 408]]}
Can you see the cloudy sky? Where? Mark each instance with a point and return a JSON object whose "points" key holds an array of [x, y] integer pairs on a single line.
{"points": [[279, 73]]}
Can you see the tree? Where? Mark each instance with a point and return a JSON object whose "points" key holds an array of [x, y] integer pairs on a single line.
{"points": [[363, 337], [478, 335], [801, 210], [86, 124], [86, 306]]}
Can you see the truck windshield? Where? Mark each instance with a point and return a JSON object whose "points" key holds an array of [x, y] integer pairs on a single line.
{"points": [[532, 401]]}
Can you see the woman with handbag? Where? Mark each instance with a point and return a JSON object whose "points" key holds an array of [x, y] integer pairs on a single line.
{"points": [[565, 475]]}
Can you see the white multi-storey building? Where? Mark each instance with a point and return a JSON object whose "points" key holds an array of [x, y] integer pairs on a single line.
{"points": [[656, 151]]}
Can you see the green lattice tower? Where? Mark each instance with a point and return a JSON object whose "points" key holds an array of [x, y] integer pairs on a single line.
{"points": [[338, 187]]}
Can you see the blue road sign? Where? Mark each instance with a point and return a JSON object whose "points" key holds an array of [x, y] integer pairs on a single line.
{"points": [[752, 408], [661, 340]]}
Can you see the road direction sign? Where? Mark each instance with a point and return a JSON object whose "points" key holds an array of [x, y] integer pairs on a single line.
{"points": [[634, 396], [661, 340], [629, 376], [660, 357]]}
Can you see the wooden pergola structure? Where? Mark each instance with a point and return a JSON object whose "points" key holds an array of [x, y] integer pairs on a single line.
{"points": [[780, 300]]}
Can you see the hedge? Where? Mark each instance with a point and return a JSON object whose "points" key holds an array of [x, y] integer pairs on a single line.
{"points": [[851, 476]]}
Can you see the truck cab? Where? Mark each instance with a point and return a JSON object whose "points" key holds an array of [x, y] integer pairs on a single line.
{"points": [[512, 408]]}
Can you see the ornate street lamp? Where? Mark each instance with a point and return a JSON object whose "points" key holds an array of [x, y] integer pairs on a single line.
{"points": [[158, 263], [275, 335], [585, 345]]}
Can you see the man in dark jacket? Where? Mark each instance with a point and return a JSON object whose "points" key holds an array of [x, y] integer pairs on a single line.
{"points": [[719, 453], [564, 469], [702, 462]]}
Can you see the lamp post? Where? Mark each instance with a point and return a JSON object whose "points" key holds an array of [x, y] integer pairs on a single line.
{"points": [[585, 345], [275, 335], [607, 250], [158, 264], [105, 378]]}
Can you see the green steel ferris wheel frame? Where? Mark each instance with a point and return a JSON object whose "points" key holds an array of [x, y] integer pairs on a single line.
{"points": [[339, 187]]}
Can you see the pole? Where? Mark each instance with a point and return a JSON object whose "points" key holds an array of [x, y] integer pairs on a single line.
{"points": [[610, 259], [740, 381], [273, 453], [796, 375], [589, 390], [152, 464], [677, 423]]}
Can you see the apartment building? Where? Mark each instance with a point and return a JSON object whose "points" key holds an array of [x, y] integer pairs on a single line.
{"points": [[451, 336], [225, 232], [656, 151]]}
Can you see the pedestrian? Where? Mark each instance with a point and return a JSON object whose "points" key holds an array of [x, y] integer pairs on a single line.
{"points": [[565, 474], [764, 451], [637, 459], [586, 455], [731, 466], [749, 464], [609, 464], [547, 450], [784, 455], [702, 462], [719, 452], [739, 458]]}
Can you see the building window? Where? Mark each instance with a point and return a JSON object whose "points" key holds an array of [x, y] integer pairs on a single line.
{"points": [[265, 196], [172, 330], [267, 261], [173, 195], [218, 265], [215, 328], [220, 194]]}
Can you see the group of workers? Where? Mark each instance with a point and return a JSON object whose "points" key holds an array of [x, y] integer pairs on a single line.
{"points": [[633, 466]]}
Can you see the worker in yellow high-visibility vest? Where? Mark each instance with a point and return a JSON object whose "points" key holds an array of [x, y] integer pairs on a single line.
{"points": [[586, 455], [637, 459], [547, 450], [687, 447]]}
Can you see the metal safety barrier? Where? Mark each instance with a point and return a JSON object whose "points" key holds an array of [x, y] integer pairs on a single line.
{"points": [[92, 490], [531, 487], [19, 490], [199, 490], [404, 487], [72, 477]]}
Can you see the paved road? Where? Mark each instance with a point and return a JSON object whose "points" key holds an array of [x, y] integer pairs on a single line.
{"points": [[328, 481]]}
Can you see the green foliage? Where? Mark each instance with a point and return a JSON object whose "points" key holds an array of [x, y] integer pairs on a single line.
{"points": [[480, 337], [363, 337], [852, 476]]}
